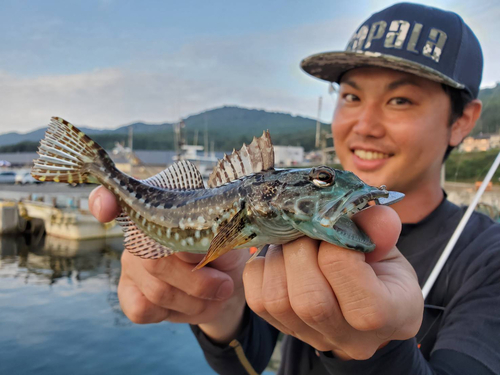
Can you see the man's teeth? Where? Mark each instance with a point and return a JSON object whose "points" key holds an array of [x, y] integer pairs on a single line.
{"points": [[370, 155]]}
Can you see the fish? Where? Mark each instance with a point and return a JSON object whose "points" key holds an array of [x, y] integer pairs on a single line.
{"points": [[247, 201]]}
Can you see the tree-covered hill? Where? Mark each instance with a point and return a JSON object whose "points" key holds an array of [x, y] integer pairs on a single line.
{"points": [[228, 128], [490, 117], [471, 166]]}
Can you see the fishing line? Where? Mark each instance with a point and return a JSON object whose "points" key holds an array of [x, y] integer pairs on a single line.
{"points": [[458, 231]]}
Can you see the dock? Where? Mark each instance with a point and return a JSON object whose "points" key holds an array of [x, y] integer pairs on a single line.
{"points": [[60, 210]]}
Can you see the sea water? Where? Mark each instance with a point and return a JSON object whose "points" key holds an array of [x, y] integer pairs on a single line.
{"points": [[59, 314]]}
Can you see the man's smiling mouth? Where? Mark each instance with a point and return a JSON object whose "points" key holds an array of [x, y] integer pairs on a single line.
{"points": [[370, 155]]}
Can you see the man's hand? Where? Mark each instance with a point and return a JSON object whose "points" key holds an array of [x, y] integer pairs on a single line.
{"points": [[336, 299], [151, 291]]}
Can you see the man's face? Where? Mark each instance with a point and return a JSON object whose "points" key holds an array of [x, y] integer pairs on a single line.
{"points": [[391, 128]]}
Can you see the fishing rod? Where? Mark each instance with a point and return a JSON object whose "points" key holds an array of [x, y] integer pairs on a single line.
{"points": [[458, 231]]}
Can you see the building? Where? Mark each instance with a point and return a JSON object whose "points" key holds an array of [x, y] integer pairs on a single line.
{"points": [[481, 142], [495, 141], [141, 164], [146, 163], [19, 160], [287, 156]]}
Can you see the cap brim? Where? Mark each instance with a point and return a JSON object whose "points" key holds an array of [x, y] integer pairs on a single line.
{"points": [[330, 66]]}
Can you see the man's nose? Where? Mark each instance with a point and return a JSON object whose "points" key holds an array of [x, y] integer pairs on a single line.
{"points": [[369, 122]]}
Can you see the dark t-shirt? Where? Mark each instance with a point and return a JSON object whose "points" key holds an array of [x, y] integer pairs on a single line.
{"points": [[460, 333]]}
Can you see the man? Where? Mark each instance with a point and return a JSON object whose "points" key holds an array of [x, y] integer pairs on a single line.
{"points": [[409, 80]]}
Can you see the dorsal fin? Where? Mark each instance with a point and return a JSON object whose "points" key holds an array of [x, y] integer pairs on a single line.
{"points": [[182, 175], [256, 157]]}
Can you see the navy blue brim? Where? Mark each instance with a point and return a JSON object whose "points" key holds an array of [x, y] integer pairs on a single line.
{"points": [[330, 66]]}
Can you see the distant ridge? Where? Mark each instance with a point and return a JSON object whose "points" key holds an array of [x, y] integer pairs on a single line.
{"points": [[228, 127], [35, 135]]}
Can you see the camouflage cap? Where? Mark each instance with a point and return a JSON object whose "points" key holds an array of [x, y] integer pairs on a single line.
{"points": [[417, 39]]}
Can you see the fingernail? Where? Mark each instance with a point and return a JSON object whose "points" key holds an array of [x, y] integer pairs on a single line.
{"points": [[97, 206], [224, 291]]}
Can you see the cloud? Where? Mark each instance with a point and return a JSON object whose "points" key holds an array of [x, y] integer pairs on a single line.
{"points": [[258, 70], [112, 97]]}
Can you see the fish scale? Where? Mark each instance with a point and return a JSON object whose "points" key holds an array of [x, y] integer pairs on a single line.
{"points": [[247, 201]]}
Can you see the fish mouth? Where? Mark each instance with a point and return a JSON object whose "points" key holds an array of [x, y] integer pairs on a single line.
{"points": [[338, 217]]}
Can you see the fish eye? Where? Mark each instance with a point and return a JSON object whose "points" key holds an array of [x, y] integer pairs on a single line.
{"points": [[322, 177]]}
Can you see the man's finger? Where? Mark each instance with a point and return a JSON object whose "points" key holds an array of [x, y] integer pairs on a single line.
{"points": [[277, 302], [207, 283], [136, 306], [103, 205], [364, 299], [140, 310], [159, 292], [311, 296], [253, 277], [383, 226]]}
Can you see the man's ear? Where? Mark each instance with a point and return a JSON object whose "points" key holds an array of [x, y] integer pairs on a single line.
{"points": [[464, 125]]}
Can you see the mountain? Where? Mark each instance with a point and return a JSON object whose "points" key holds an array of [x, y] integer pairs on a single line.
{"points": [[35, 136], [489, 122], [228, 127]]}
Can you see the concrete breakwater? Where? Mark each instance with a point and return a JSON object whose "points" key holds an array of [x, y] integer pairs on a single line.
{"points": [[462, 194], [59, 210], [62, 210]]}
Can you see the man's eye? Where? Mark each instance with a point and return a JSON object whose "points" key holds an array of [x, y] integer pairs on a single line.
{"points": [[399, 101], [350, 98]]}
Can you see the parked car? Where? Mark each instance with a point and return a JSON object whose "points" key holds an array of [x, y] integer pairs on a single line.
{"points": [[7, 177], [25, 177]]}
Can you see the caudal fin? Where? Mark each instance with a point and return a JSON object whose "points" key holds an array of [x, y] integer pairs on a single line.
{"points": [[65, 154]]}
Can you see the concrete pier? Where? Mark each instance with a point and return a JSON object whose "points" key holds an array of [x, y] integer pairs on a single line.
{"points": [[9, 218], [69, 223], [62, 209], [462, 194]]}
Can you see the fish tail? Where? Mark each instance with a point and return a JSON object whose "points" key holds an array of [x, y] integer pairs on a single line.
{"points": [[66, 154]]}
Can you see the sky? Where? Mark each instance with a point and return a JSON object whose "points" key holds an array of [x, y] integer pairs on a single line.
{"points": [[108, 63]]}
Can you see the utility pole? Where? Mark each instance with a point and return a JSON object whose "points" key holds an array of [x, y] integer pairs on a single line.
{"points": [[206, 134], [318, 124], [130, 137], [195, 140], [178, 139]]}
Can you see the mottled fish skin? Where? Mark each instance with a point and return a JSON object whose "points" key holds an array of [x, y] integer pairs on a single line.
{"points": [[181, 220], [267, 206], [188, 220], [288, 201], [277, 202]]}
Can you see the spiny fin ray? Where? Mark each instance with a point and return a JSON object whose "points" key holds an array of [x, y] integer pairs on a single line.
{"points": [[138, 243], [182, 175], [65, 154], [256, 157]]}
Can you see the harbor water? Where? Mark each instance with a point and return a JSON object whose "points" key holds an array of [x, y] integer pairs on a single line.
{"points": [[59, 314]]}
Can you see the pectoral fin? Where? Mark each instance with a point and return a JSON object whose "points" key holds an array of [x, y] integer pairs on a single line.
{"points": [[231, 235]]}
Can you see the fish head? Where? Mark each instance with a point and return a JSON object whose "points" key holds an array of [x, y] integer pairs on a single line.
{"points": [[321, 201]]}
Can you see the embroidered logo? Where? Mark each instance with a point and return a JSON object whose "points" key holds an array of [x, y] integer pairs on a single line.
{"points": [[396, 35]]}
